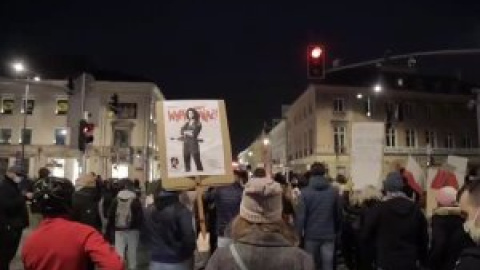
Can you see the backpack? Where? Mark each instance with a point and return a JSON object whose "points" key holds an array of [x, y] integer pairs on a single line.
{"points": [[123, 215]]}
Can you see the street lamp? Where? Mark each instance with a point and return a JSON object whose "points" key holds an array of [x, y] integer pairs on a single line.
{"points": [[266, 141], [19, 69], [377, 88]]}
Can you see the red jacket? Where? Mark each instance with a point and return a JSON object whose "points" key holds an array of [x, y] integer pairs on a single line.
{"points": [[60, 244]]}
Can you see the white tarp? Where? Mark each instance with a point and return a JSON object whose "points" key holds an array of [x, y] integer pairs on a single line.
{"points": [[367, 153], [193, 135]]}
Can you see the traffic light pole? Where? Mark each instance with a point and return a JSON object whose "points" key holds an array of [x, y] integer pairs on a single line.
{"points": [[83, 159], [22, 134], [405, 56]]}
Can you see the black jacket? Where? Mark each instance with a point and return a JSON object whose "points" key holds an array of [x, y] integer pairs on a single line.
{"points": [[170, 231], [86, 207], [399, 229], [469, 259], [135, 208], [449, 238], [13, 210], [227, 203]]}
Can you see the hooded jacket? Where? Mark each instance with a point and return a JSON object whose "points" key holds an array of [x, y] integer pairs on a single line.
{"points": [[136, 211], [169, 226], [448, 238], [13, 210], [262, 250], [399, 229], [319, 210]]}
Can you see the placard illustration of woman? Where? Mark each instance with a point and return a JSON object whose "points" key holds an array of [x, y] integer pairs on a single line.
{"points": [[189, 133]]}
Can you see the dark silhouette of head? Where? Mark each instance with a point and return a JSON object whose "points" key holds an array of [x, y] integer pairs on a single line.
{"points": [[193, 114], [260, 173], [318, 169]]}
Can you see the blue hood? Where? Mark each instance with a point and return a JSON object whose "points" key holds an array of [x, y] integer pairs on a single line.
{"points": [[319, 183]]}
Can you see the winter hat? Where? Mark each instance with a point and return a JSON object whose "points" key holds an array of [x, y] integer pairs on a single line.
{"points": [[262, 201], [393, 182], [446, 196]]}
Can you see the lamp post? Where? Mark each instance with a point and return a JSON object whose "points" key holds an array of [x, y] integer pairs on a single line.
{"points": [[20, 69]]}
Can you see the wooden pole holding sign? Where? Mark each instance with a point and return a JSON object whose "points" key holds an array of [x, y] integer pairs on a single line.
{"points": [[200, 208]]}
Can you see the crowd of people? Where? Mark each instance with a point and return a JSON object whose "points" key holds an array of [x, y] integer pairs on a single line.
{"points": [[258, 222]]}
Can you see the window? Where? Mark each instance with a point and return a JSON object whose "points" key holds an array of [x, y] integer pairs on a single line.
{"points": [[408, 110], [30, 106], [58, 165], [62, 106], [5, 136], [428, 112], [411, 140], [306, 144], [449, 141], [311, 141], [467, 142], [26, 136], [7, 105], [339, 134], [430, 138], [120, 171], [339, 105], [121, 138], [60, 136], [127, 111], [391, 138]]}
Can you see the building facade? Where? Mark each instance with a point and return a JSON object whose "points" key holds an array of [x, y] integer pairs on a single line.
{"points": [[124, 145], [427, 126]]}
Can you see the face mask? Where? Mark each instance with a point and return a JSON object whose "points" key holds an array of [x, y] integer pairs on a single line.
{"points": [[471, 229]]}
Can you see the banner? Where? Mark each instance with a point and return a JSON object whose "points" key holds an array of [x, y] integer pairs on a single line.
{"points": [[194, 141], [367, 153]]}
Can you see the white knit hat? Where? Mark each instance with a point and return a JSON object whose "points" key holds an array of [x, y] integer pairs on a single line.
{"points": [[262, 201]]}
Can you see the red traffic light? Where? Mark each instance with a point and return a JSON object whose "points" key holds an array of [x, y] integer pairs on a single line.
{"points": [[316, 52], [88, 129]]}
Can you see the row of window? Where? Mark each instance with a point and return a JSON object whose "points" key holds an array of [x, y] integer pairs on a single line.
{"points": [[411, 140], [124, 110], [60, 136], [403, 110], [8, 106]]}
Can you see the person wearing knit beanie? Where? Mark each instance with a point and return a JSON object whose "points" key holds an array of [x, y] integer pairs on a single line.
{"points": [[261, 238], [262, 201], [393, 182]]}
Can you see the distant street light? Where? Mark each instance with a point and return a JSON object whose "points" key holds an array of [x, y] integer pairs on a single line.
{"points": [[18, 67], [359, 96], [250, 153], [377, 88], [37, 78], [266, 141]]}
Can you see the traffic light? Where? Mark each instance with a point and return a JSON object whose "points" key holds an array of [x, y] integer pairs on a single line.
{"points": [[113, 104], [85, 135], [316, 62]]}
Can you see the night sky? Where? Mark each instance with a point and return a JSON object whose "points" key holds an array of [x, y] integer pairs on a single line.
{"points": [[250, 53]]}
